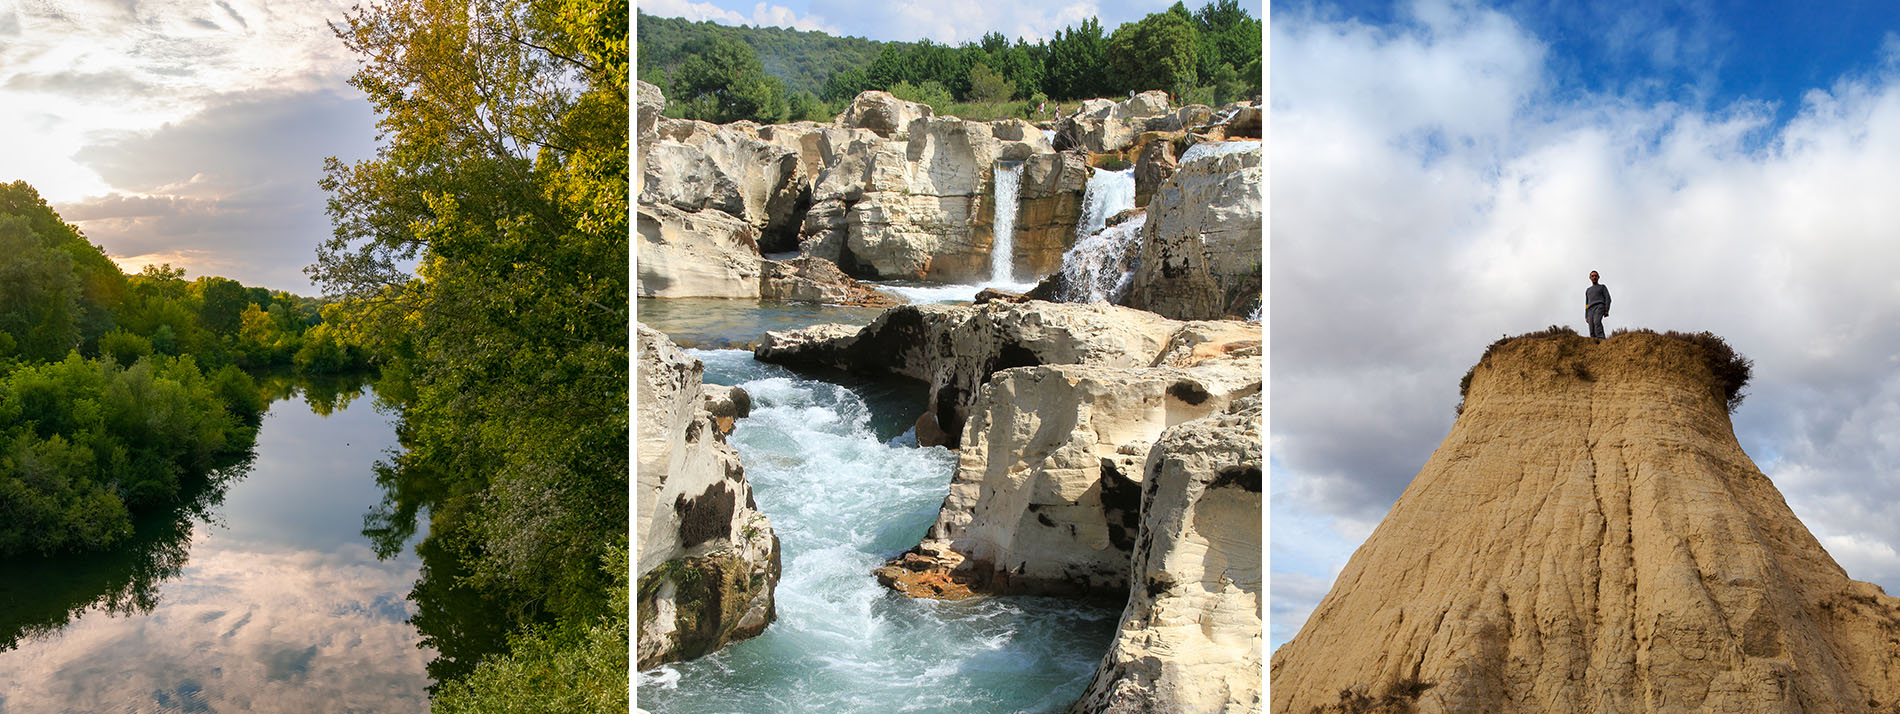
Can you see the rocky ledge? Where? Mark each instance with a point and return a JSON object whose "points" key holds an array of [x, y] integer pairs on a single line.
{"points": [[708, 560], [1189, 639]]}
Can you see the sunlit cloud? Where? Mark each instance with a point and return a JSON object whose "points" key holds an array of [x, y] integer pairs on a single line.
{"points": [[236, 102]]}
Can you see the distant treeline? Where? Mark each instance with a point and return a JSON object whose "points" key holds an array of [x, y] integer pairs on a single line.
{"points": [[116, 390], [721, 74]]}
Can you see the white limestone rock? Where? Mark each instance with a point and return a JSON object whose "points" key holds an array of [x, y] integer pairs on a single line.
{"points": [[708, 560]]}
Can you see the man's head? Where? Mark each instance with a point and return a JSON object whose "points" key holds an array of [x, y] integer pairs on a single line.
{"points": [[1593, 277]]}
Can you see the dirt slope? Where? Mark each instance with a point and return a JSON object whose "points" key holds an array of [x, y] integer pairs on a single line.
{"points": [[1591, 538]]}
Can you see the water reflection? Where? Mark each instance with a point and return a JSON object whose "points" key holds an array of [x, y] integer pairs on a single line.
{"points": [[262, 595], [38, 596]]}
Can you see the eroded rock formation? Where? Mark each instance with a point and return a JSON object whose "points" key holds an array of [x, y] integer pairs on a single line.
{"points": [[1189, 639], [1201, 248], [713, 197], [920, 205], [955, 348], [1590, 538], [1046, 498], [708, 560]]}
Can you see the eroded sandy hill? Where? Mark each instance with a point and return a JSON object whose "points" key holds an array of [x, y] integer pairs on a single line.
{"points": [[1591, 538]]}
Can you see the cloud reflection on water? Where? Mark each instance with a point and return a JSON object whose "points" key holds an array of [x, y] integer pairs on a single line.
{"points": [[267, 613]]}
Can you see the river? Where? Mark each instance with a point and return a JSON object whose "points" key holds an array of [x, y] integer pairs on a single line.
{"points": [[263, 596], [831, 462]]}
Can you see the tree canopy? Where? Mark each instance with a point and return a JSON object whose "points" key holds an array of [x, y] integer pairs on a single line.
{"points": [[719, 73], [503, 173]]}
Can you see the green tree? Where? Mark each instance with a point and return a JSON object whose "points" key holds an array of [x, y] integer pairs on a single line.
{"points": [[723, 81], [1074, 68], [1159, 52], [988, 86], [222, 304], [504, 173]]}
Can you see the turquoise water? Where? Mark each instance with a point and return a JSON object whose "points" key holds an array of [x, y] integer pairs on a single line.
{"points": [[262, 597], [846, 488]]}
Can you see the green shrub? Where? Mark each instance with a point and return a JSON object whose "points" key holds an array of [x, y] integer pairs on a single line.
{"points": [[123, 347], [86, 443]]}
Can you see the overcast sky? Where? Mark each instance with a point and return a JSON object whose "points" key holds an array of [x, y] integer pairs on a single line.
{"points": [[913, 20], [1445, 173], [183, 131]]}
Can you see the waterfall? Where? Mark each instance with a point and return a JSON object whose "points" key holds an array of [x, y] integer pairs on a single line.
{"points": [[1049, 135], [1099, 268], [1108, 193], [1008, 178]]}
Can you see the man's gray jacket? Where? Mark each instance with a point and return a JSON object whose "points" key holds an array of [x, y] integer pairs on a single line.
{"points": [[1597, 294]]}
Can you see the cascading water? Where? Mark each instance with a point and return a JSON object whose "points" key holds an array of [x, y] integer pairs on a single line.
{"points": [[1009, 177], [843, 496], [1107, 193], [1098, 268], [1217, 148]]}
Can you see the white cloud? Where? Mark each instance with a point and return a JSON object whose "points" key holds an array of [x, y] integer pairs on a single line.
{"points": [[694, 11], [764, 15], [1433, 192]]}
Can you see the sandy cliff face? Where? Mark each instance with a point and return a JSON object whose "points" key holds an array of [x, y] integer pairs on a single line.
{"points": [[1189, 639], [1590, 537], [708, 560]]}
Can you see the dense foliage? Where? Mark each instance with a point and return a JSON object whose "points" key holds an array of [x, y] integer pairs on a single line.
{"points": [[118, 392], [721, 74], [503, 172]]}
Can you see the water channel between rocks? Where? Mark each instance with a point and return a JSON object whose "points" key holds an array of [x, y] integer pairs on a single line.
{"points": [[269, 600], [833, 465]]}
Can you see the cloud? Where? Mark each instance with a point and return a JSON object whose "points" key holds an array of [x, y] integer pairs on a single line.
{"points": [[694, 11], [108, 84], [763, 15], [1449, 191], [231, 190]]}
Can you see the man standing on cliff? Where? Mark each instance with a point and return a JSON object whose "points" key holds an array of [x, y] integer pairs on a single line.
{"points": [[1596, 305]]}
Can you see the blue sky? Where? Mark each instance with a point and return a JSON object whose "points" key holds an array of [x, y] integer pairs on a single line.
{"points": [[912, 20], [1460, 168]]}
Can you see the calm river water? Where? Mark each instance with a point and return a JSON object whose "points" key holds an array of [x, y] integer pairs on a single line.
{"points": [[267, 600]]}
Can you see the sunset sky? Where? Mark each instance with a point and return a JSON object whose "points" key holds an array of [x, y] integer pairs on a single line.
{"points": [[180, 131], [1445, 173]]}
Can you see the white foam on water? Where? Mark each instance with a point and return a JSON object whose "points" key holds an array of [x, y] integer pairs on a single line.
{"points": [[950, 292], [842, 501], [663, 678], [1218, 148], [1094, 269], [1049, 135], [1107, 193]]}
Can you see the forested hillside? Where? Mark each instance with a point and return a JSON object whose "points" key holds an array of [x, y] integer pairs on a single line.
{"points": [[722, 74]]}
